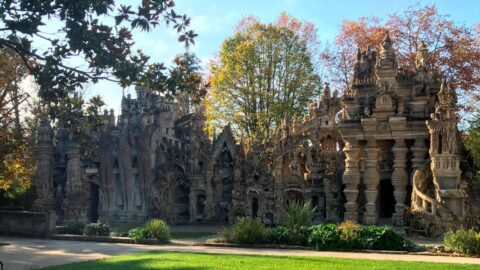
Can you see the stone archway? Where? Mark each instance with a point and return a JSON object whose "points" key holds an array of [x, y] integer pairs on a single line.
{"points": [[254, 207], [182, 203], [386, 200]]}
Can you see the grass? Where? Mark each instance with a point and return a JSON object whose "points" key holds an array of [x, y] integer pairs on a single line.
{"points": [[190, 235], [183, 261]]}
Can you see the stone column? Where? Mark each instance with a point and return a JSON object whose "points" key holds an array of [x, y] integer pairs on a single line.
{"points": [[371, 178], [399, 181], [43, 152], [351, 179], [419, 151], [75, 197]]}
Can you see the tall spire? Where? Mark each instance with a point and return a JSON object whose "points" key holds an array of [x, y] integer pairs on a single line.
{"points": [[386, 66], [422, 57]]}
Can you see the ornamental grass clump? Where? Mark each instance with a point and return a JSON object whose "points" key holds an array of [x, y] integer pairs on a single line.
{"points": [[158, 229], [297, 215], [297, 218], [463, 241]]}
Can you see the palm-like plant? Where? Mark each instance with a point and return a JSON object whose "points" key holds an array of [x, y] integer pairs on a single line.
{"points": [[297, 214]]}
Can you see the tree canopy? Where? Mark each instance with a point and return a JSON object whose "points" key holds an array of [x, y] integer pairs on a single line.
{"points": [[454, 47], [263, 74], [98, 32]]}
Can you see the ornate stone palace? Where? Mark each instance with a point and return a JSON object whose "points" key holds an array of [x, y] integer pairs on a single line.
{"points": [[387, 148]]}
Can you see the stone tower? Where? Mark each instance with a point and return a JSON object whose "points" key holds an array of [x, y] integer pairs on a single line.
{"points": [[445, 153]]}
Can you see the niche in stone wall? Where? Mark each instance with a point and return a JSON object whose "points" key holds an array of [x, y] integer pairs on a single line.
{"points": [[254, 207], [182, 202], [223, 183]]}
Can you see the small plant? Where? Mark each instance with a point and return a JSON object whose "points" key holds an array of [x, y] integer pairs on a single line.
{"points": [[158, 229], [97, 229], [349, 231], [324, 237], [464, 241], [74, 227], [278, 235], [138, 234], [225, 235], [297, 215], [249, 231], [381, 238]]}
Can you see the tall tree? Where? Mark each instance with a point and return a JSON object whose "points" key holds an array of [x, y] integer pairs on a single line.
{"points": [[455, 48], [100, 32], [264, 74]]}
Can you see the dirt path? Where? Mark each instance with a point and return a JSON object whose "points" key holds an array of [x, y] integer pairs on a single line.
{"points": [[23, 254]]}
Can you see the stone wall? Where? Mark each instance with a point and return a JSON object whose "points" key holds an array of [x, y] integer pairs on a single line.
{"points": [[25, 223]]}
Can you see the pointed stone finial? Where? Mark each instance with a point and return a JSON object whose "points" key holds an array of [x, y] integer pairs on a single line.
{"points": [[326, 90], [422, 57], [447, 95], [387, 41]]}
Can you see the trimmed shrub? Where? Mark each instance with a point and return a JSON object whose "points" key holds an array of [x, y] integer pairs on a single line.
{"points": [[138, 234], [350, 236], [97, 229], [324, 237], [381, 238], [249, 231], [297, 215], [289, 236], [158, 229], [74, 227], [464, 241], [349, 231], [278, 235]]}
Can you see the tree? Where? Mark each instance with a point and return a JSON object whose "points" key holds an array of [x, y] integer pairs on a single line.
{"points": [[100, 32], [455, 48], [15, 152], [471, 140], [264, 74], [12, 72]]}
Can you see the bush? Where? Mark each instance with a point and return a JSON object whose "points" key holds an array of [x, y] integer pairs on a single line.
{"points": [[278, 235], [138, 234], [350, 236], [74, 227], [249, 231], [464, 241], [381, 238], [158, 229], [349, 231], [97, 229], [297, 215], [324, 237]]}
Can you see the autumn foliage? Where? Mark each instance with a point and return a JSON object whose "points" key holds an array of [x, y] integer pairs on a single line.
{"points": [[454, 47]]}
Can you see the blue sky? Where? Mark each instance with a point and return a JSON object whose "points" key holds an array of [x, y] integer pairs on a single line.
{"points": [[215, 20]]}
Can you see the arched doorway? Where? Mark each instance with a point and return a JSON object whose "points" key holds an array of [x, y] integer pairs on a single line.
{"points": [[94, 202], [386, 200], [201, 201], [182, 203], [254, 207]]}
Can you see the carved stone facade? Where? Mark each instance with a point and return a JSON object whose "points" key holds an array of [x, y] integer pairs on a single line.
{"points": [[364, 156]]}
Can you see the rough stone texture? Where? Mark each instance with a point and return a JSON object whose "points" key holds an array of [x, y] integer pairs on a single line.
{"points": [[354, 157], [25, 223]]}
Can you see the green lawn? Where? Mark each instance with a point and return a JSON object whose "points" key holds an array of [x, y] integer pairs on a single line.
{"points": [[184, 261], [190, 235]]}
